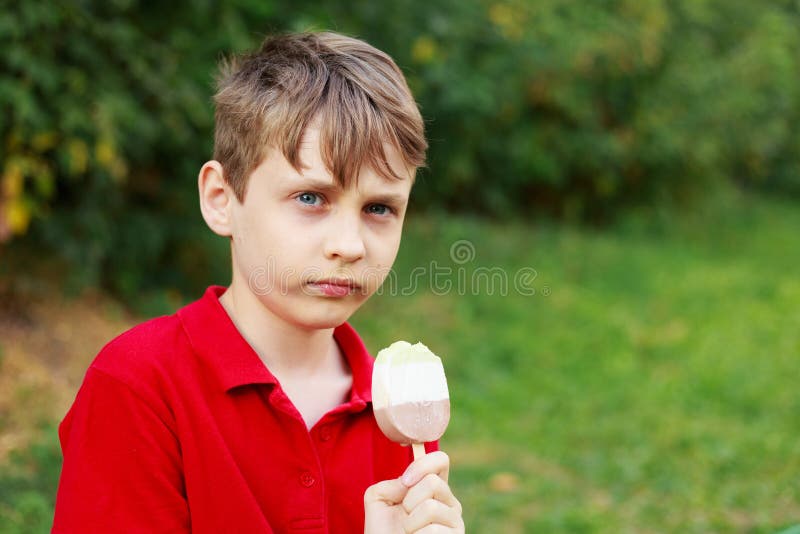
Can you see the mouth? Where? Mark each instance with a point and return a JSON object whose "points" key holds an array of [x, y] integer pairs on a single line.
{"points": [[334, 287]]}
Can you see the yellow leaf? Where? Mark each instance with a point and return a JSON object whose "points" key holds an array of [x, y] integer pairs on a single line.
{"points": [[510, 20], [44, 141], [17, 215], [501, 15], [13, 180], [104, 153], [424, 49], [78, 156]]}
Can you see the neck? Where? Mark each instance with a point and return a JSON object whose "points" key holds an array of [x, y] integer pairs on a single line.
{"points": [[285, 348]]}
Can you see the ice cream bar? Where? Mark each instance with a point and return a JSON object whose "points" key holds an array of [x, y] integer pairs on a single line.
{"points": [[409, 393]]}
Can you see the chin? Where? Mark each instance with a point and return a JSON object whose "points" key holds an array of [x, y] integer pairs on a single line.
{"points": [[320, 322], [324, 315]]}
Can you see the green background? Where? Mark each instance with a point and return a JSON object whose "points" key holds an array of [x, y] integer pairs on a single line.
{"points": [[639, 160]]}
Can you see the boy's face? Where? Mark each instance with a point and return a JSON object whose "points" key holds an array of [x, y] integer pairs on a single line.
{"points": [[309, 250]]}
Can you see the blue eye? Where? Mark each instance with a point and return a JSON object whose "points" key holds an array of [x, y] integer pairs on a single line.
{"points": [[379, 209], [310, 199]]}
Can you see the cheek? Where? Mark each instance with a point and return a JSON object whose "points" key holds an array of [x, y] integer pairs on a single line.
{"points": [[248, 249], [255, 251], [383, 251], [386, 247]]}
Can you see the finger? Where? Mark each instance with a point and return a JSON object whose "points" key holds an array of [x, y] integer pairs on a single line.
{"points": [[437, 463], [388, 491], [432, 513], [430, 487]]}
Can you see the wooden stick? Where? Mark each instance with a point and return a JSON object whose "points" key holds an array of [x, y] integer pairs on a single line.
{"points": [[419, 450]]}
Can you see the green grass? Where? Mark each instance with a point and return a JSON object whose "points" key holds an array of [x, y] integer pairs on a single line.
{"points": [[649, 385]]}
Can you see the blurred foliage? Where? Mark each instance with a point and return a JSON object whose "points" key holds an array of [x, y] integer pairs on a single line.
{"points": [[568, 109], [106, 117], [28, 486], [578, 108]]}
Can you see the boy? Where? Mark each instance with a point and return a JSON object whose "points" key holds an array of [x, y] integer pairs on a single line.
{"points": [[249, 409]]}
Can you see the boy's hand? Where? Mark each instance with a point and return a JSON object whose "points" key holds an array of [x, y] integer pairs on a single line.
{"points": [[419, 501]]}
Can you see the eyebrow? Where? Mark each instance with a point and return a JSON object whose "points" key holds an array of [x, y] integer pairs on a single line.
{"points": [[306, 182], [388, 198]]}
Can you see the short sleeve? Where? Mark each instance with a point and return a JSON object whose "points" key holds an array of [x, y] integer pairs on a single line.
{"points": [[122, 469]]}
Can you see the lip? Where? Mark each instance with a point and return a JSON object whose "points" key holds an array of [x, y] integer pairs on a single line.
{"points": [[334, 287]]}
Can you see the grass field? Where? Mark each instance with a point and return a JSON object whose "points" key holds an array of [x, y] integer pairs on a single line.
{"points": [[642, 378]]}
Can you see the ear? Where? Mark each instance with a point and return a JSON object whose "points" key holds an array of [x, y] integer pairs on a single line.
{"points": [[216, 198]]}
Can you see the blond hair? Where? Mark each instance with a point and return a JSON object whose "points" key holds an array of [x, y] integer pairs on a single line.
{"points": [[357, 94]]}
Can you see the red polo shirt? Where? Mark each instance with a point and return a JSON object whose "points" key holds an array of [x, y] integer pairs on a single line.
{"points": [[180, 427]]}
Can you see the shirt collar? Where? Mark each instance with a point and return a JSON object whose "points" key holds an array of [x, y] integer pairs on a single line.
{"points": [[233, 361]]}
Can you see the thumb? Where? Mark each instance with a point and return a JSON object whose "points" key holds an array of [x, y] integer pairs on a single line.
{"points": [[390, 492]]}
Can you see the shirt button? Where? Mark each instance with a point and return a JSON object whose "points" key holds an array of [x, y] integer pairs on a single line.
{"points": [[307, 479], [325, 433]]}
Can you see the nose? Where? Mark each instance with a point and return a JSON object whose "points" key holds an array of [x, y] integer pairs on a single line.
{"points": [[345, 241]]}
